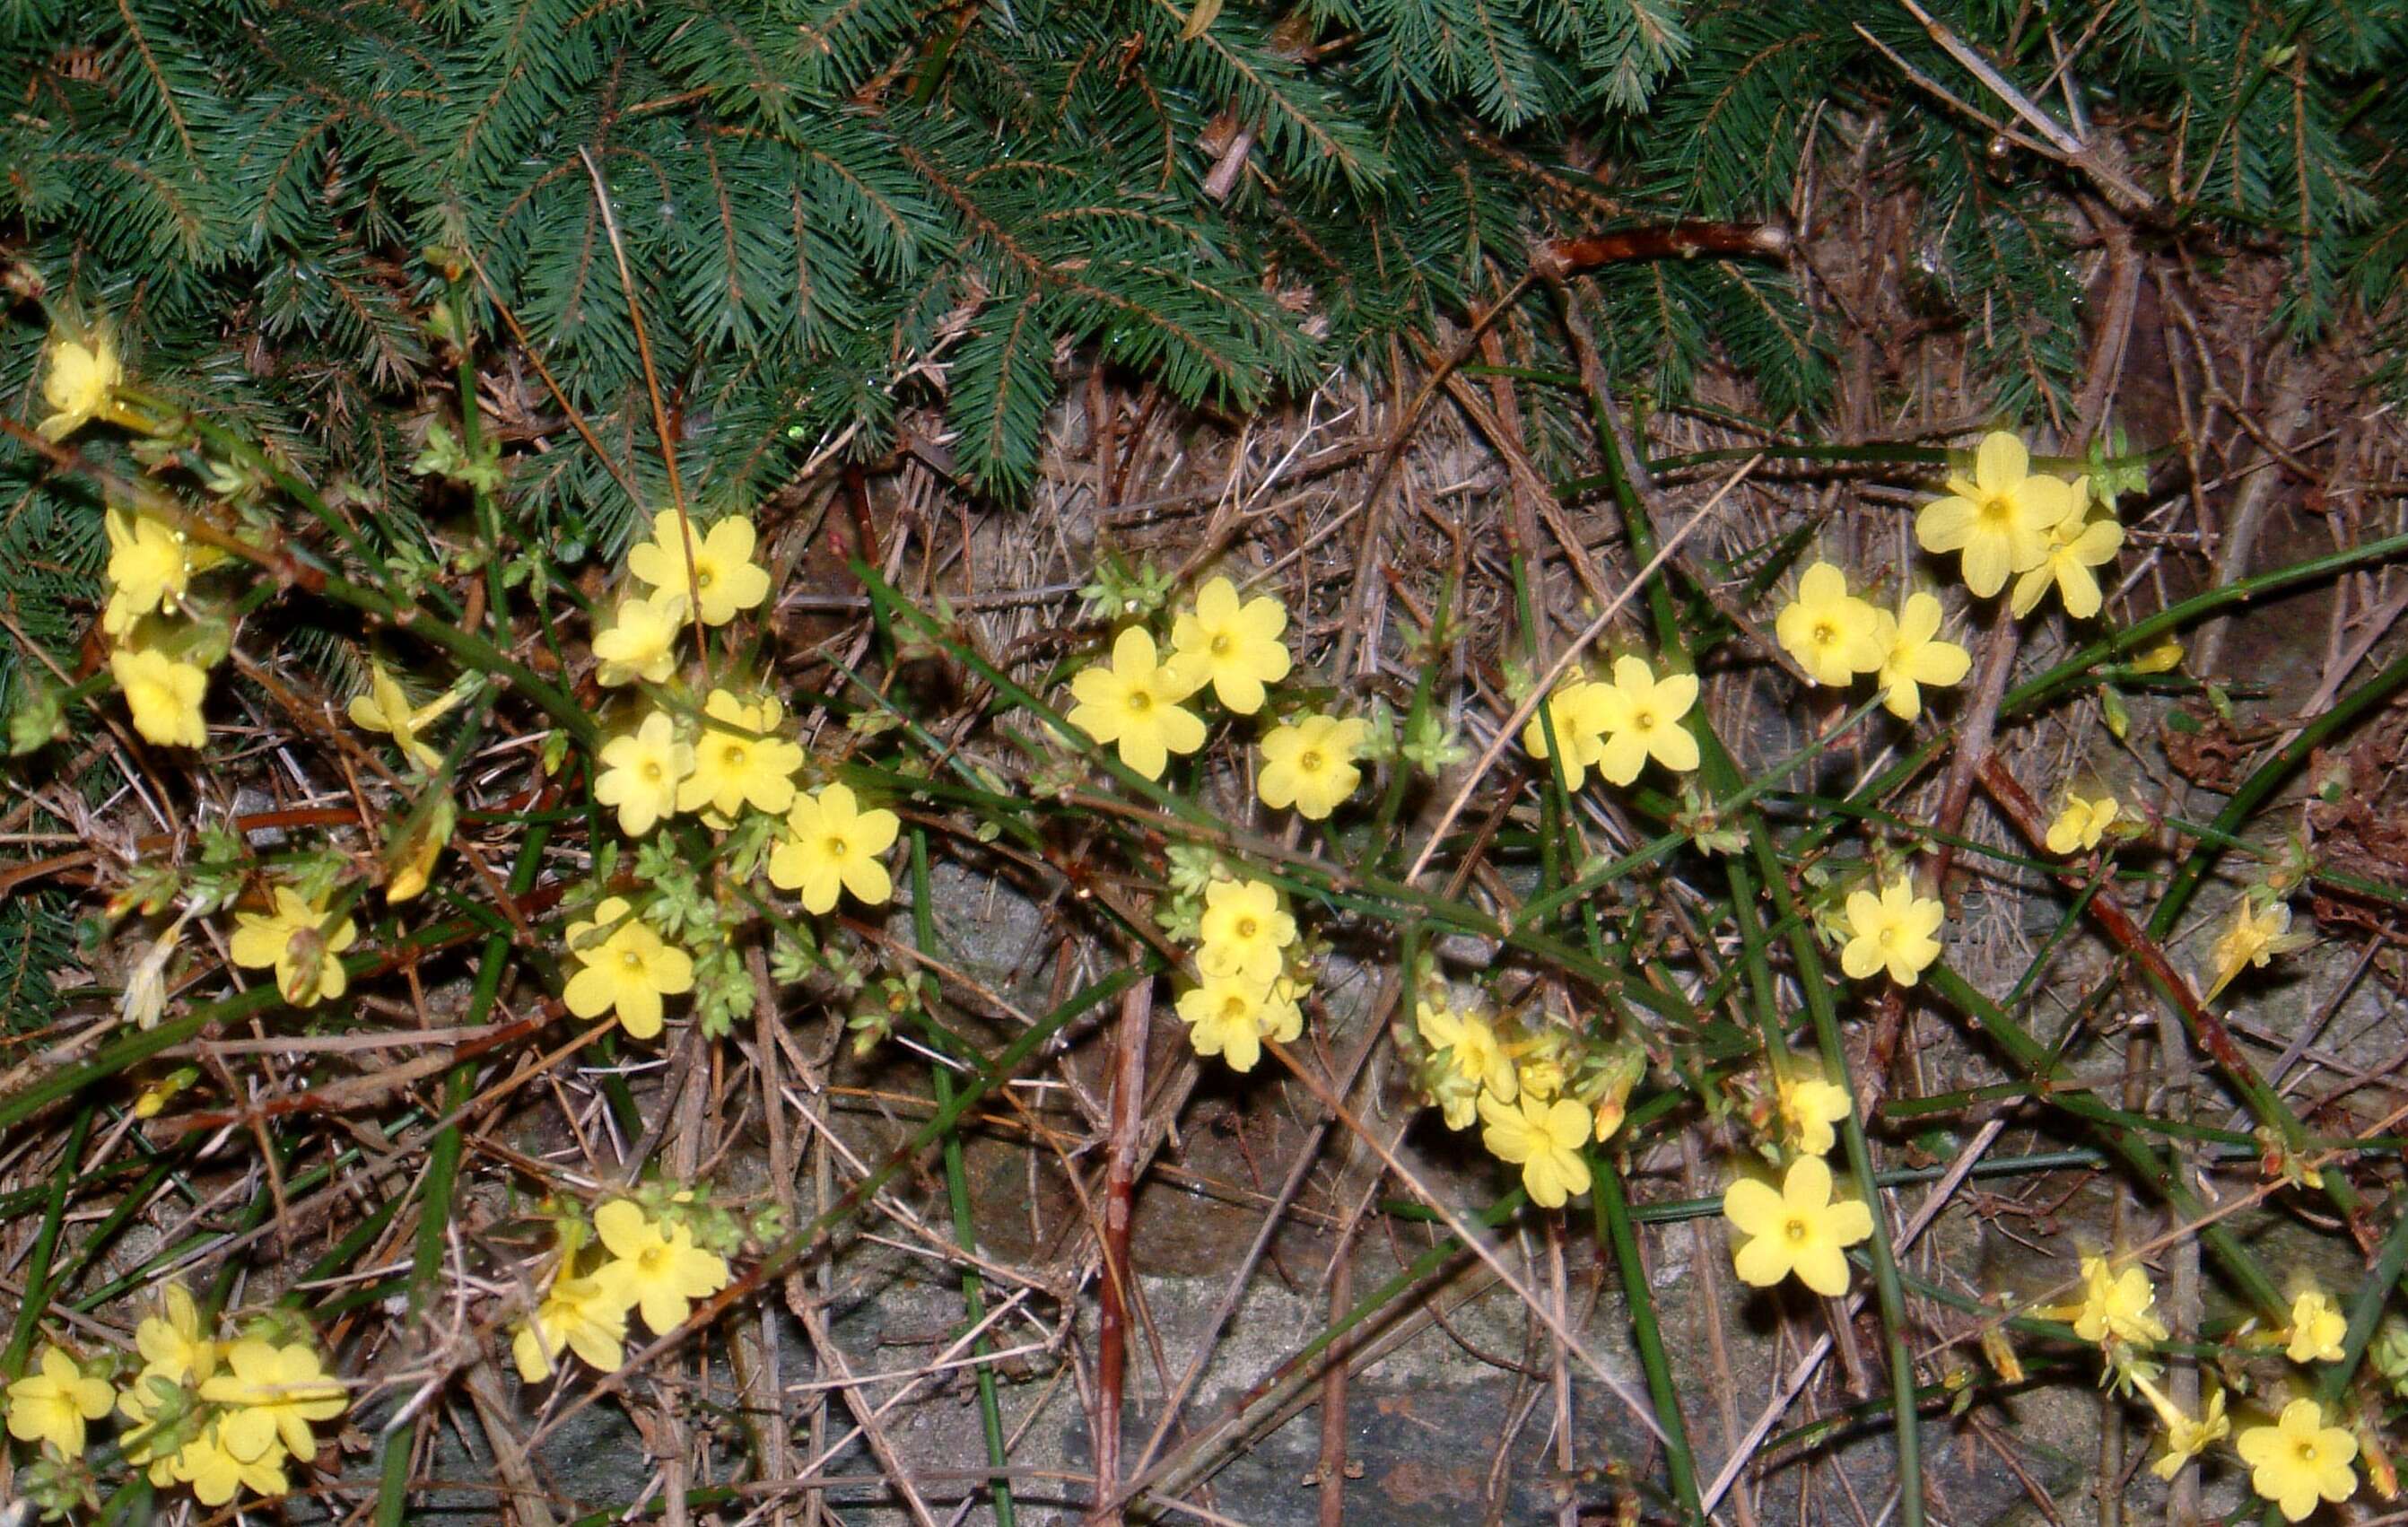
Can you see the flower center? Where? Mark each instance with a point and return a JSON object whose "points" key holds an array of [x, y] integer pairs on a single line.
{"points": [[1795, 1230], [735, 755], [1998, 509], [631, 960], [1826, 634], [651, 1261], [838, 848], [1140, 701], [1246, 927], [652, 772], [1308, 760], [1885, 937], [1220, 644], [1233, 1009], [1643, 721], [702, 577], [2306, 1449]]}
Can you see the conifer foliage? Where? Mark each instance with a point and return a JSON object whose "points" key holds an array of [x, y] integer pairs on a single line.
{"points": [[835, 211]]}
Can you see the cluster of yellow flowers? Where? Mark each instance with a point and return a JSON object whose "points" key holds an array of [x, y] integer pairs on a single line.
{"points": [[1614, 726], [651, 1265], [726, 759], [1251, 987], [2295, 1461], [218, 1416], [1798, 1229], [1135, 702], [1540, 1098], [2008, 520], [1836, 635], [160, 663]]}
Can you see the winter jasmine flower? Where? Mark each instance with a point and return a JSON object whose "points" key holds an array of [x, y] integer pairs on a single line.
{"points": [[738, 760], [1234, 647], [2115, 1306], [1833, 634], [661, 1272], [2299, 1460], [2255, 938], [1244, 932], [215, 1473], [722, 575], [1810, 1106], [2073, 549], [385, 709], [1310, 765], [1133, 702], [642, 771], [587, 1315], [1544, 1139], [1912, 655], [628, 970], [294, 939], [1641, 715], [272, 1394], [51, 1403], [641, 641], [1891, 932], [2083, 821], [830, 843], [150, 565], [2318, 1328], [1799, 1229], [164, 695], [1469, 1046], [2001, 518], [82, 386], [1230, 1016], [1577, 712]]}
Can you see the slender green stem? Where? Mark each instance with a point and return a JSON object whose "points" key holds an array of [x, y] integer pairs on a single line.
{"points": [[957, 1197], [46, 1249], [1613, 1225]]}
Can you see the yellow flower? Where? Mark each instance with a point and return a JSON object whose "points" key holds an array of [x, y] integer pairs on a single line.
{"points": [[641, 642], [739, 760], [2186, 1438], [2164, 657], [1469, 1046], [629, 970], [723, 577], [1542, 1138], [1833, 634], [1134, 702], [385, 709], [1540, 1078], [81, 385], [1798, 1230], [2080, 824], [2316, 1328], [2073, 549], [1913, 656], [273, 1392], [410, 862], [1642, 720], [215, 1473], [1230, 1016], [1999, 519], [660, 1273], [1577, 710], [1810, 1106], [173, 1347], [2299, 1460], [587, 1315], [1310, 765], [640, 774], [150, 565], [1235, 647], [1892, 931], [51, 1404], [1244, 933], [2254, 939], [295, 940], [830, 843], [2116, 1305], [1457, 1097], [164, 695]]}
